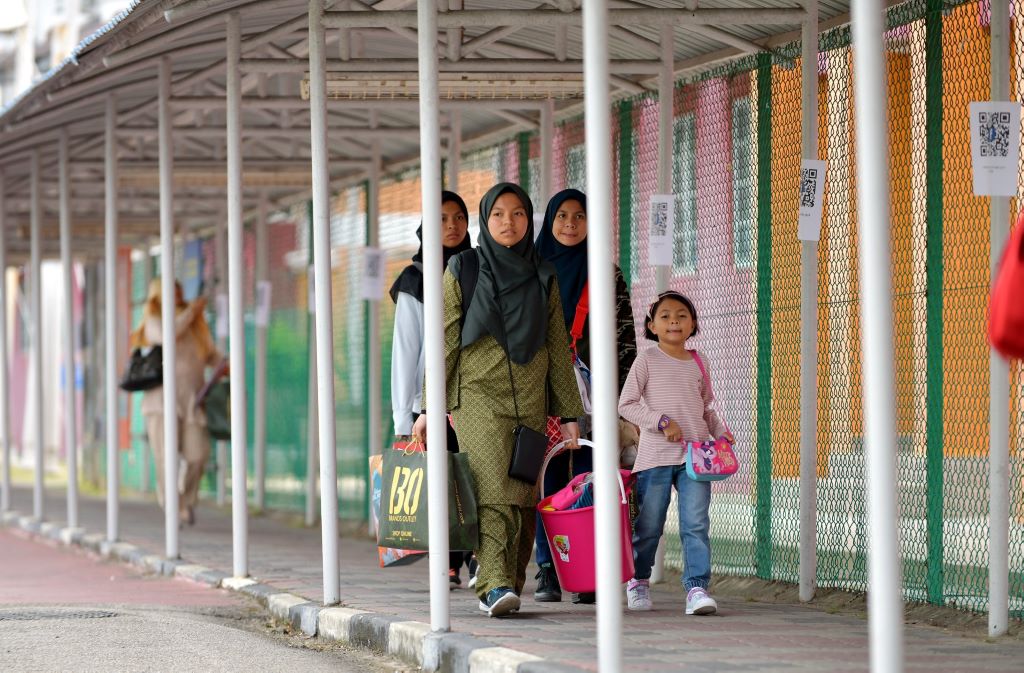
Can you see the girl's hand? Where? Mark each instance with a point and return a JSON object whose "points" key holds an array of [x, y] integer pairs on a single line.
{"points": [[672, 432], [419, 429], [728, 437], [571, 434]]}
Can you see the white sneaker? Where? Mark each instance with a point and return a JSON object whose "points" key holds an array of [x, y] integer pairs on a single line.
{"points": [[638, 595], [698, 602]]}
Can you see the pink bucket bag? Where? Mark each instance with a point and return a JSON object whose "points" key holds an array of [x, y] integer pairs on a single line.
{"points": [[710, 460]]}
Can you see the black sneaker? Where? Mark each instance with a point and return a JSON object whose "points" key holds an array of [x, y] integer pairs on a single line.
{"points": [[586, 598], [548, 590], [454, 581]]}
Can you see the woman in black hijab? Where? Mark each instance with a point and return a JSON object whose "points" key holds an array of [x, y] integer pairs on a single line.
{"points": [[407, 343], [563, 243], [513, 321]]}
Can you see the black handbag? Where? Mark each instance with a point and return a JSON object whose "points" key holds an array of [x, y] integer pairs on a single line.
{"points": [[145, 369], [528, 445]]}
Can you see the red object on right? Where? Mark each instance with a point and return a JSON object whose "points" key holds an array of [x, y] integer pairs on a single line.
{"points": [[1006, 305]]}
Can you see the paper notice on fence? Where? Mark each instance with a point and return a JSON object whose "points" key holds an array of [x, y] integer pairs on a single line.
{"points": [[661, 227], [222, 316], [263, 303], [995, 147], [812, 193], [373, 274]]}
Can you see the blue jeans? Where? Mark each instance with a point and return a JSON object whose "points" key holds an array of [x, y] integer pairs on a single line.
{"points": [[555, 478], [654, 491]]}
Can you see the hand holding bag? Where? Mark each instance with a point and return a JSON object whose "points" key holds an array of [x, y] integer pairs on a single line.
{"points": [[145, 370], [710, 461]]}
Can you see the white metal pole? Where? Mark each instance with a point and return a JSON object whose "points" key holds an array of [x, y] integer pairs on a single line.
{"points": [[67, 327], [999, 370], [604, 358], [666, 103], [167, 311], [809, 326], [322, 290], [375, 365], [433, 315], [36, 356], [885, 604], [547, 151], [146, 455], [666, 100], [110, 324], [220, 447], [454, 150], [236, 298], [260, 403], [5, 414], [312, 436]]}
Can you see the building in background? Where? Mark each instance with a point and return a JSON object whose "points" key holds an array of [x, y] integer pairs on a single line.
{"points": [[36, 35]]}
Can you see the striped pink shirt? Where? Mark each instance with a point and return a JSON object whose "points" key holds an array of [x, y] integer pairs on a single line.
{"points": [[659, 384]]}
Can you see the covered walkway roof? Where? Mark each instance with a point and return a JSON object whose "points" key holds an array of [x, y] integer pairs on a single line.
{"points": [[499, 60]]}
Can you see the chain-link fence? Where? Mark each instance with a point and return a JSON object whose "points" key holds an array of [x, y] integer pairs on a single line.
{"points": [[736, 149]]}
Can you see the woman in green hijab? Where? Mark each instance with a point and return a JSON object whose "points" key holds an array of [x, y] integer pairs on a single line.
{"points": [[514, 319]]}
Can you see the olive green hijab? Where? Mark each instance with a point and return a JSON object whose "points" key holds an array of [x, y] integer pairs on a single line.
{"points": [[511, 298]]}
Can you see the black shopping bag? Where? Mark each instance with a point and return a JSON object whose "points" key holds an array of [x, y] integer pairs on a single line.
{"points": [[403, 517]]}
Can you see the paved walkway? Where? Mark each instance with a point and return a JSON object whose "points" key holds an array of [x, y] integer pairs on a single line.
{"points": [[745, 636]]}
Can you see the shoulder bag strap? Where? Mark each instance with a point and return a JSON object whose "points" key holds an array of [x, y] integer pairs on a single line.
{"points": [[580, 319]]}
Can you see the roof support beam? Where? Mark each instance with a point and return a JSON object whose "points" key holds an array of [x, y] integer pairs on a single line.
{"points": [[489, 18], [402, 65]]}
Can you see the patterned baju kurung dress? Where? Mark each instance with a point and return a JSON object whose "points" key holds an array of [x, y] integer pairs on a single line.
{"points": [[480, 400]]}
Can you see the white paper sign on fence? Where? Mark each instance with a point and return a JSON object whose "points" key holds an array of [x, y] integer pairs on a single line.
{"points": [[812, 193], [263, 303], [373, 274], [995, 147], [661, 227], [222, 316]]}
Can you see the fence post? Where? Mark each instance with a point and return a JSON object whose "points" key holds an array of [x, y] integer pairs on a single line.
{"points": [[763, 512], [626, 223], [999, 369], [809, 325], [934, 434]]}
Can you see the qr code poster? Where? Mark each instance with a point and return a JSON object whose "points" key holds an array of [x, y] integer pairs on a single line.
{"points": [[373, 274], [812, 193], [995, 147], [661, 230]]}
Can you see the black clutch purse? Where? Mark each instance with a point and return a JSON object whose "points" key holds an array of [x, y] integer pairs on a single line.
{"points": [[528, 449], [145, 370]]}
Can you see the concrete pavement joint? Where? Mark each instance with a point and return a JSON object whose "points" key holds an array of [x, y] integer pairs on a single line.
{"points": [[409, 640], [304, 617], [280, 603], [405, 640]]}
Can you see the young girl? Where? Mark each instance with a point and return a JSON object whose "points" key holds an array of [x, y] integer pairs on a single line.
{"points": [[666, 396]]}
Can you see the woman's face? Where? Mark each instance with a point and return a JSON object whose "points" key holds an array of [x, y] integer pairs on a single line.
{"points": [[453, 224], [507, 222], [570, 225]]}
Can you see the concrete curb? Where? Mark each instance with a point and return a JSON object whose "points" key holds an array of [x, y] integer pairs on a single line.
{"points": [[412, 642]]}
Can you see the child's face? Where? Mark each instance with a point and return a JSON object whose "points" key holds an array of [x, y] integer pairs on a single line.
{"points": [[672, 322]]}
